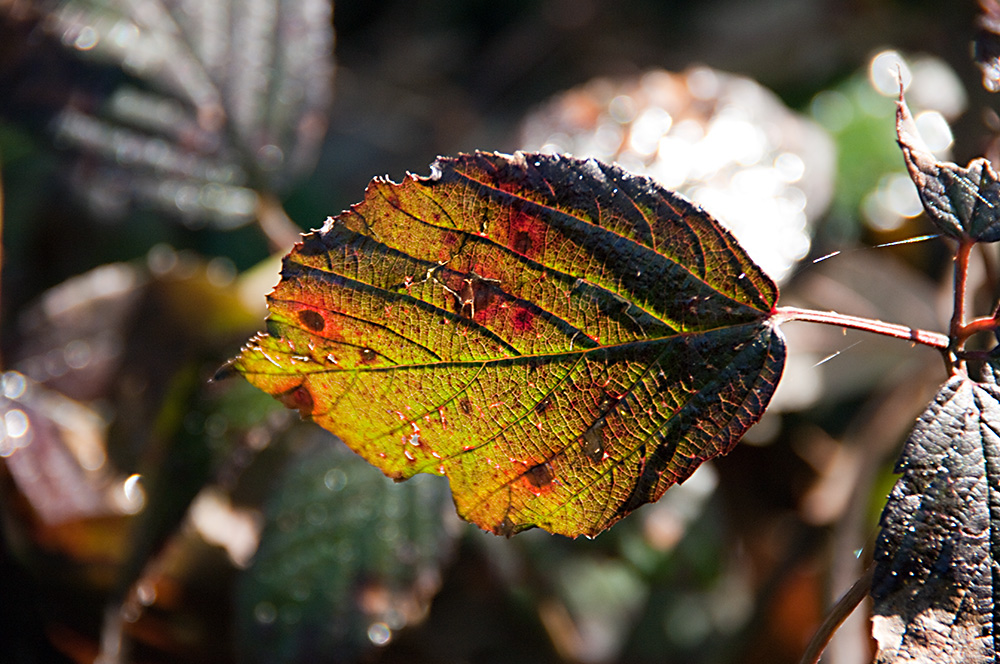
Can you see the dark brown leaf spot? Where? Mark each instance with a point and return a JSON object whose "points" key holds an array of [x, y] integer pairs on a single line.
{"points": [[312, 320], [473, 297], [539, 476]]}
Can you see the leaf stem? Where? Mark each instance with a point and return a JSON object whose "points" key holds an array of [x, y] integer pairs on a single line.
{"points": [[923, 337], [837, 615], [965, 247], [987, 324]]}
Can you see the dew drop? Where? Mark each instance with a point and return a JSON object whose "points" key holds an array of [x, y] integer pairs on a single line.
{"points": [[265, 613], [298, 398], [379, 633], [13, 385], [16, 423], [335, 479]]}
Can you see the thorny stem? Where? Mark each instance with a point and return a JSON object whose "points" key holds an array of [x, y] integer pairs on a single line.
{"points": [[923, 337], [837, 615]]}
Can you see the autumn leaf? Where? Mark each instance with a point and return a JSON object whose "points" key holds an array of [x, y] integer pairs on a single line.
{"points": [[560, 338], [934, 583]]}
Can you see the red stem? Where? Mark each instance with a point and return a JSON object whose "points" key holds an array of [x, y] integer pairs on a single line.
{"points": [[988, 324], [923, 337], [965, 246]]}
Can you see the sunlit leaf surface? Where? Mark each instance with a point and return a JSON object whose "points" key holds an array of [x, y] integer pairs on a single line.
{"points": [[560, 338], [962, 202], [936, 557]]}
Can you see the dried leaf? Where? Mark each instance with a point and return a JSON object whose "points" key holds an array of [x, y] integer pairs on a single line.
{"points": [[560, 338]]}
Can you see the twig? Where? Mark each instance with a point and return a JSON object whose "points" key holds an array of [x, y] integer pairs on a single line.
{"points": [[837, 615]]}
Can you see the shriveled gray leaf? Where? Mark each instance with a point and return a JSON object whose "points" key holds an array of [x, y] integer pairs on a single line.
{"points": [[962, 202], [196, 107], [934, 584]]}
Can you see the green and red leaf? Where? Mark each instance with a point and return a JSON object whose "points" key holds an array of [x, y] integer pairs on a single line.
{"points": [[562, 339]]}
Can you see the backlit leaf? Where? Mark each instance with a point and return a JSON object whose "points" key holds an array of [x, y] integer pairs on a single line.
{"points": [[962, 202], [560, 338], [935, 583]]}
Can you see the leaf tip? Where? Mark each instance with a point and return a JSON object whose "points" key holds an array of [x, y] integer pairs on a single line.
{"points": [[227, 370]]}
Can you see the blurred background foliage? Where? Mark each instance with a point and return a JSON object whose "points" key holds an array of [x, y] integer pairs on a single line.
{"points": [[157, 156]]}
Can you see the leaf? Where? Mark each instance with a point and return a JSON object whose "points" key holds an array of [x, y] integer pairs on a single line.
{"points": [[560, 338], [986, 47], [934, 583], [346, 559], [193, 107], [962, 202], [53, 448], [581, 120]]}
